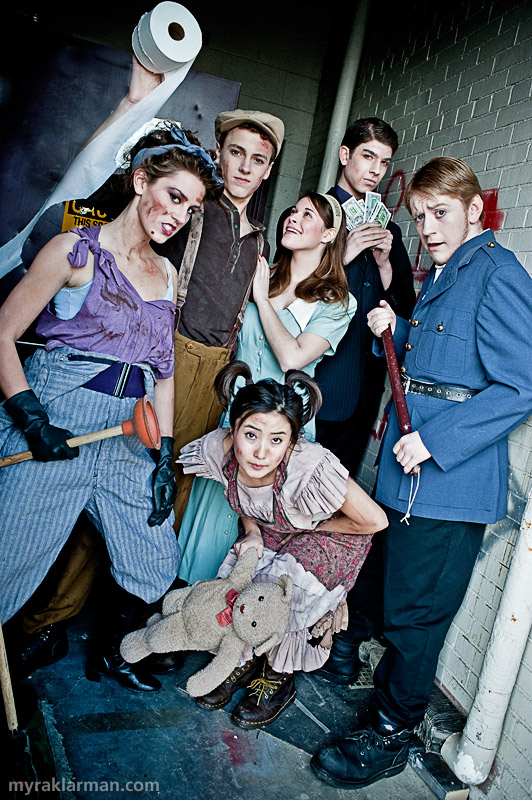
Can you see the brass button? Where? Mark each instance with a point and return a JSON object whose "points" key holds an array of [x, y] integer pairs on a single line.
{"points": [[491, 244], [190, 346], [408, 346], [439, 327], [415, 323], [403, 369]]}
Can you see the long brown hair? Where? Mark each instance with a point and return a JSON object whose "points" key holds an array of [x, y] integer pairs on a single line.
{"points": [[328, 281]]}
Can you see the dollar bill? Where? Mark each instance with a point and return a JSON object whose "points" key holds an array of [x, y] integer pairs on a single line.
{"points": [[353, 214], [371, 200], [381, 215]]}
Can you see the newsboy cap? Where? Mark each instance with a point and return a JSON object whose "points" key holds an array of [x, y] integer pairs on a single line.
{"points": [[272, 126]]}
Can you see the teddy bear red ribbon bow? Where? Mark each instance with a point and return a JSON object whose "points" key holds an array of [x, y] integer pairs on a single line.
{"points": [[226, 616]]}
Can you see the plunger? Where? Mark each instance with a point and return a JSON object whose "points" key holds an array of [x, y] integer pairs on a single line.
{"points": [[143, 424]]}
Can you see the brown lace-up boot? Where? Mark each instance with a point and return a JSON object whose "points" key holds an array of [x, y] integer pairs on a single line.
{"points": [[267, 696], [240, 677]]}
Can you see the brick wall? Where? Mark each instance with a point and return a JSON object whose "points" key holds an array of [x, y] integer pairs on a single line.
{"points": [[460, 83]]}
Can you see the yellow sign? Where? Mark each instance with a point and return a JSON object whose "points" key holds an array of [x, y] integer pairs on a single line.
{"points": [[77, 216]]}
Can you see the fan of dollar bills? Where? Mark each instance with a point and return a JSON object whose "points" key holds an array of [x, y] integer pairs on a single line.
{"points": [[370, 209]]}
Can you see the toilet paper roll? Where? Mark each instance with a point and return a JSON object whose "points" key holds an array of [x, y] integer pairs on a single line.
{"points": [[166, 37]]}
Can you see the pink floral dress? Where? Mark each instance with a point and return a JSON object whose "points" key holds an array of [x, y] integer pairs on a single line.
{"points": [[308, 489]]}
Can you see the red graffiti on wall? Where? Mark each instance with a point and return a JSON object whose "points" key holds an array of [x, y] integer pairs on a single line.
{"points": [[493, 216]]}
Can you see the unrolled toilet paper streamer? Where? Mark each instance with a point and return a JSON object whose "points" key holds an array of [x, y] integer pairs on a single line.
{"points": [[96, 162]]}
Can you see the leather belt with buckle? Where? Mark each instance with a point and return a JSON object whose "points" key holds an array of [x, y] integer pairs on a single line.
{"points": [[442, 391]]}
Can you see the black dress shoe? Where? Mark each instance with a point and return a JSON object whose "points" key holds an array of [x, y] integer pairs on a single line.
{"points": [[240, 677], [343, 665], [37, 650], [267, 696], [162, 663], [112, 665], [366, 756]]}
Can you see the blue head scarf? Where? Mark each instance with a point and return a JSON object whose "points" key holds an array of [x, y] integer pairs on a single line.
{"points": [[182, 143]]}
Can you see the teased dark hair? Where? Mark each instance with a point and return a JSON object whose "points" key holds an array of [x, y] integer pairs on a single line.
{"points": [[367, 130], [328, 282], [268, 395], [158, 166]]}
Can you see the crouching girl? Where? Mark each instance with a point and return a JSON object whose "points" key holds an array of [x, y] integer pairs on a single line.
{"points": [[303, 514]]}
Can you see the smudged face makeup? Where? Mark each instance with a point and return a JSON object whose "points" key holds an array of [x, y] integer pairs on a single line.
{"points": [[245, 161], [166, 204]]}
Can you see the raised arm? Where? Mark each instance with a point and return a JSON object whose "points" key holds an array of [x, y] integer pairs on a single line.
{"points": [[141, 83], [290, 352]]}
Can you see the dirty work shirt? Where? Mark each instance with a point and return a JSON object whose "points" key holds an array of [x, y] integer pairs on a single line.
{"points": [[223, 269]]}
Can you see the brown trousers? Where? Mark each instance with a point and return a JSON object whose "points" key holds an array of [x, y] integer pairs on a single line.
{"points": [[196, 412]]}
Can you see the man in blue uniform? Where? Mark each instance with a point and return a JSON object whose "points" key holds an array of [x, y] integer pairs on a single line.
{"points": [[467, 370]]}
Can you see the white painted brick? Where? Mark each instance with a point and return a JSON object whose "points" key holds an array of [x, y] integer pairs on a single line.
{"points": [[493, 140], [515, 113], [522, 736]]}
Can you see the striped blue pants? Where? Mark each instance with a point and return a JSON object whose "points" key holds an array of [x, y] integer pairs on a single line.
{"points": [[111, 480]]}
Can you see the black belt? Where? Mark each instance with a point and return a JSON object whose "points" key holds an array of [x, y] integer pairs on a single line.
{"points": [[442, 391], [119, 379]]}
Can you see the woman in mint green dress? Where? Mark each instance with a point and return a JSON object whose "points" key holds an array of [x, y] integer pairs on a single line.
{"points": [[301, 309]]}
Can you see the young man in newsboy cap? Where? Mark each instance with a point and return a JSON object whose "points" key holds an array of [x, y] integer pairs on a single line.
{"points": [[223, 264]]}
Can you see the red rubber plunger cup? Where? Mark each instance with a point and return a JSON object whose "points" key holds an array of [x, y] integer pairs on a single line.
{"points": [[144, 424]]}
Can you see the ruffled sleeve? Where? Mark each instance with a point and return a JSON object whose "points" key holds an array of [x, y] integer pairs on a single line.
{"points": [[205, 456], [316, 485]]}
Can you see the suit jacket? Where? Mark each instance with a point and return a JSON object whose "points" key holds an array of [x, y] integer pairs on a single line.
{"points": [[354, 367], [471, 328]]}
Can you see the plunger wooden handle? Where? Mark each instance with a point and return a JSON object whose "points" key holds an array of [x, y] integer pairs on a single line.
{"points": [[144, 425], [7, 687]]}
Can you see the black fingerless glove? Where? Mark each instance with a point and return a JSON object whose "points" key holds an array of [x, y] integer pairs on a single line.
{"points": [[164, 487], [46, 442]]}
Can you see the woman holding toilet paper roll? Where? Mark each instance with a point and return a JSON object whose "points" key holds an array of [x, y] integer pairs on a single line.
{"points": [[105, 306]]}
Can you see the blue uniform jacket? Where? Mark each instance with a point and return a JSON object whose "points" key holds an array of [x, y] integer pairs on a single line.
{"points": [[471, 328]]}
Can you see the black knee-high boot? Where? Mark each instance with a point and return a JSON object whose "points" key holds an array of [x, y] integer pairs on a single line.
{"points": [[124, 613]]}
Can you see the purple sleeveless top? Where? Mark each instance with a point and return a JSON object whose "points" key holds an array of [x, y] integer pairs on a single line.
{"points": [[114, 319]]}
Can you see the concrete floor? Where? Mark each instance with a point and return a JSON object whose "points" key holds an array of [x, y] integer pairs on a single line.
{"points": [[100, 740]]}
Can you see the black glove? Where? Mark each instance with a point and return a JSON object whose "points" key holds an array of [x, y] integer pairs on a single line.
{"points": [[46, 442], [164, 487]]}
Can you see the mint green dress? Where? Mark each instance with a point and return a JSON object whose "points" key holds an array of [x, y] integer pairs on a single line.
{"points": [[210, 527]]}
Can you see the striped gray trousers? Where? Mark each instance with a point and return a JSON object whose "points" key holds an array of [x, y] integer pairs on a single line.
{"points": [[111, 480]]}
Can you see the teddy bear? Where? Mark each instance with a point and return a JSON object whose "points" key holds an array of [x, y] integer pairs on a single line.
{"points": [[224, 614]]}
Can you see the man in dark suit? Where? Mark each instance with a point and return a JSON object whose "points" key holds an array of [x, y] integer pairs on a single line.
{"points": [[377, 268], [352, 383]]}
